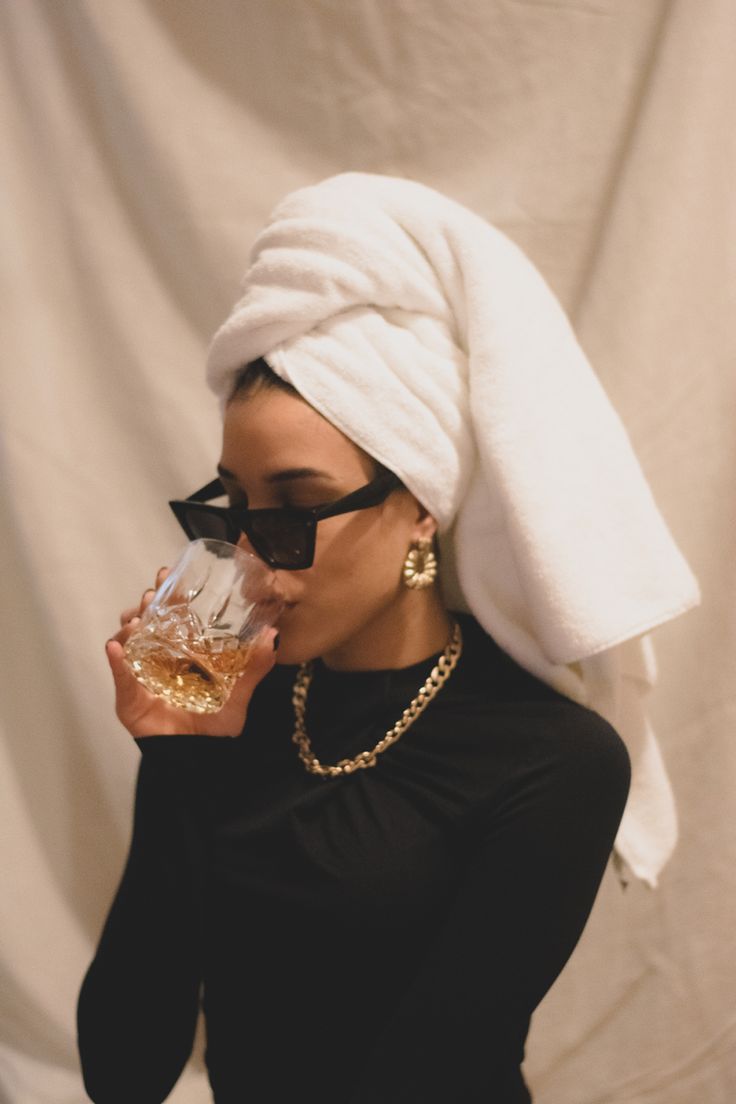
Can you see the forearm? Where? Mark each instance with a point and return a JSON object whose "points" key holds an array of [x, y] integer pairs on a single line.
{"points": [[138, 1004]]}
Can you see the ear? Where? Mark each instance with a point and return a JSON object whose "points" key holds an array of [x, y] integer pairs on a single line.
{"points": [[425, 525]]}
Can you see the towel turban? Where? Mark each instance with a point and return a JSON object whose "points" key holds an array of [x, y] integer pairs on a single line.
{"points": [[427, 337]]}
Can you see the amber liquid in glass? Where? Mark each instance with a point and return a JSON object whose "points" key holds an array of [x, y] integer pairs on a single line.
{"points": [[195, 673]]}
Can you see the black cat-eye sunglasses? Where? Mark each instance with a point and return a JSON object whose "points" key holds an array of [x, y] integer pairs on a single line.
{"points": [[284, 537]]}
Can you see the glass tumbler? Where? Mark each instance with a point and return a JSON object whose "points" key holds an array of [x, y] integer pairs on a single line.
{"points": [[199, 630]]}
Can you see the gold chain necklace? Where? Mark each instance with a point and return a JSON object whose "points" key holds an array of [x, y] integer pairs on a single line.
{"points": [[436, 680]]}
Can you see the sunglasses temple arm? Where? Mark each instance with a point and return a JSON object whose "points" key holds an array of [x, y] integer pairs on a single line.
{"points": [[212, 490]]}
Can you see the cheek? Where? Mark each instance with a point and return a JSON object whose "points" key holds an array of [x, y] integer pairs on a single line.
{"points": [[368, 558], [356, 572]]}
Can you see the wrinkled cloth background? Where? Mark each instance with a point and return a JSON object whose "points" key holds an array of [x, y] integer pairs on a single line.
{"points": [[144, 144]]}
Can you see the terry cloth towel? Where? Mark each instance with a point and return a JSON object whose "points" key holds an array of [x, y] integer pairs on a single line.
{"points": [[428, 338]]}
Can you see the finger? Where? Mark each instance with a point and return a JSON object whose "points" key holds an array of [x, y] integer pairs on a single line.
{"points": [[136, 611], [125, 680], [114, 653], [131, 698], [148, 595], [146, 598], [127, 630]]}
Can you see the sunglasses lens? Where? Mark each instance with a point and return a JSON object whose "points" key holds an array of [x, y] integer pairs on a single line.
{"points": [[202, 523], [285, 541], [281, 540]]}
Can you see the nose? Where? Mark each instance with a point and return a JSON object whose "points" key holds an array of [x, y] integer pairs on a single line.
{"points": [[273, 599], [245, 544]]}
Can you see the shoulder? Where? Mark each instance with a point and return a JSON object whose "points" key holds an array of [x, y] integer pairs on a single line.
{"points": [[526, 719]]}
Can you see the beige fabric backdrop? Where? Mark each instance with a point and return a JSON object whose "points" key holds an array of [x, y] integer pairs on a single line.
{"points": [[144, 143]]}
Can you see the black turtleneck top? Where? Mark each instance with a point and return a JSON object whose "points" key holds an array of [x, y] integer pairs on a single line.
{"points": [[379, 938]]}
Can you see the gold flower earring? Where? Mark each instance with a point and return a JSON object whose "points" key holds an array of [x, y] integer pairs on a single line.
{"points": [[420, 565]]}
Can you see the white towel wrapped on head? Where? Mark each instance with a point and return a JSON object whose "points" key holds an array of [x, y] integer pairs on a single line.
{"points": [[428, 338]]}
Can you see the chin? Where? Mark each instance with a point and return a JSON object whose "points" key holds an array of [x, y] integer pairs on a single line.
{"points": [[299, 644], [291, 651], [284, 659]]}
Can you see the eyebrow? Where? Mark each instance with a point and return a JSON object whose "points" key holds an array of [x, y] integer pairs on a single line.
{"points": [[285, 476]]}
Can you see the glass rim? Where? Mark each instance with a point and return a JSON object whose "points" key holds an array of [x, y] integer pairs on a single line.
{"points": [[236, 549]]}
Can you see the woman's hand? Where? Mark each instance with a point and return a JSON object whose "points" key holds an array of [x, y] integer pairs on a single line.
{"points": [[143, 714]]}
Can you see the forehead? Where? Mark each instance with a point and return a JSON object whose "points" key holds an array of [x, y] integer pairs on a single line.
{"points": [[272, 430]]}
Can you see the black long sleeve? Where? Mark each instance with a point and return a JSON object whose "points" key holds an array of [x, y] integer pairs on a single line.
{"points": [[139, 1001], [519, 912]]}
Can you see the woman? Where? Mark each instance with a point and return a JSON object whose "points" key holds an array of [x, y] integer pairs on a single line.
{"points": [[375, 884]]}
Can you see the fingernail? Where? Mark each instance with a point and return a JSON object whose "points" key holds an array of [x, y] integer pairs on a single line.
{"points": [[276, 641], [149, 591]]}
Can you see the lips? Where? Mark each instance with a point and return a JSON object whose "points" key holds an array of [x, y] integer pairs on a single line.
{"points": [[283, 607], [272, 608]]}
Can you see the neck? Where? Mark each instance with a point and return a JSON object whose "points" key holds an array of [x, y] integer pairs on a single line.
{"points": [[415, 626]]}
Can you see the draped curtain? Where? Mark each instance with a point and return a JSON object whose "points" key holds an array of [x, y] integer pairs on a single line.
{"points": [[144, 143]]}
